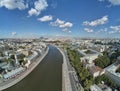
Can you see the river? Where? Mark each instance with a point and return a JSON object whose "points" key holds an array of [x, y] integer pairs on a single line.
{"points": [[47, 76]]}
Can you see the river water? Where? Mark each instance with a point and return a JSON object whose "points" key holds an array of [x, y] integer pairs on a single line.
{"points": [[47, 76]]}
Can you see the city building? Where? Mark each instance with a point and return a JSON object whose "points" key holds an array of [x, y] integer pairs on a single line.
{"points": [[100, 87], [95, 71]]}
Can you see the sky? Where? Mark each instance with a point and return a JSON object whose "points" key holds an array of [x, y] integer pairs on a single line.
{"points": [[72, 18]]}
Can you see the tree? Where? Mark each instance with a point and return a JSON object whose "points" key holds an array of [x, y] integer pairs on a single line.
{"points": [[83, 73], [102, 61], [106, 80], [115, 55], [87, 84]]}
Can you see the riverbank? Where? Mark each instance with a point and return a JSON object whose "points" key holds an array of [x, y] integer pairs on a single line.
{"points": [[66, 85], [18, 78]]}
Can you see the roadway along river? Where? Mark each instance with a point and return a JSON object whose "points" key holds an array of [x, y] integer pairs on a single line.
{"points": [[47, 76]]}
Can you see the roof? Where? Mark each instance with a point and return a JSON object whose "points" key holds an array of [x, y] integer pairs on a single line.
{"points": [[13, 72], [94, 69]]}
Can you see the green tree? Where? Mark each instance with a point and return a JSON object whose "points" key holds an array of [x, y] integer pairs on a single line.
{"points": [[106, 80], [87, 84], [102, 61], [83, 73]]}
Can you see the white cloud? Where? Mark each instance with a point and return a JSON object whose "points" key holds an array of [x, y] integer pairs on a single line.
{"points": [[112, 32], [88, 30], [33, 12], [97, 22], [58, 22], [103, 30], [45, 18], [66, 30], [13, 33], [112, 2], [39, 6], [61, 24], [13, 4], [66, 25], [115, 29]]}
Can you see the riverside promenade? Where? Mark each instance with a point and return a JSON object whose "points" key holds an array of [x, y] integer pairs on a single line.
{"points": [[66, 84], [18, 78]]}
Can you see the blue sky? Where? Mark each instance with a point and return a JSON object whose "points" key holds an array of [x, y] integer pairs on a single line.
{"points": [[78, 18]]}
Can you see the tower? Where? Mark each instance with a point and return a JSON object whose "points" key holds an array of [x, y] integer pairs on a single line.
{"points": [[16, 60]]}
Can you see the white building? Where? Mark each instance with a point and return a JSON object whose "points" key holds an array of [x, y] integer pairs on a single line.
{"points": [[32, 56], [100, 87], [13, 73], [95, 71], [110, 71], [27, 63], [90, 57]]}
